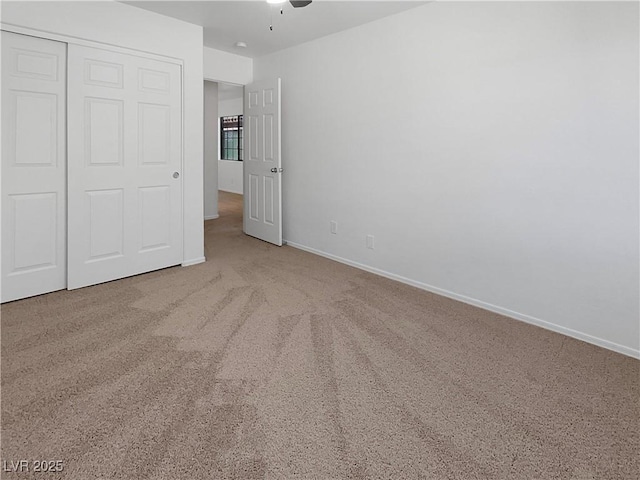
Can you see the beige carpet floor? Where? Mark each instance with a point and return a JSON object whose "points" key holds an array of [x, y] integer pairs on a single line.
{"points": [[269, 362]]}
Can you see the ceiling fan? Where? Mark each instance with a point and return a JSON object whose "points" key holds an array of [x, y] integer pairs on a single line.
{"points": [[294, 3]]}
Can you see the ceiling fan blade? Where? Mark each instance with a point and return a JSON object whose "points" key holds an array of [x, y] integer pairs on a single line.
{"points": [[299, 3]]}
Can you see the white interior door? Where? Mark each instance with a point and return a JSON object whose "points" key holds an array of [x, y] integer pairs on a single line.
{"points": [[262, 162], [125, 157], [33, 166]]}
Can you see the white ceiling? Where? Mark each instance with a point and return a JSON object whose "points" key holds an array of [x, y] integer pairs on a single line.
{"points": [[227, 22]]}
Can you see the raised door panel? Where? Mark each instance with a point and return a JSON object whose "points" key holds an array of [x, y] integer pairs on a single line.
{"points": [[104, 131], [268, 194], [33, 221], [154, 129], [254, 197], [105, 213], [103, 74], [35, 127], [253, 135], [154, 81], [155, 224], [38, 65], [269, 154]]}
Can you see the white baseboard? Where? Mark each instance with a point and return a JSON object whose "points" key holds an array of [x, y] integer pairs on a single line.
{"points": [[478, 303], [194, 261], [211, 217]]}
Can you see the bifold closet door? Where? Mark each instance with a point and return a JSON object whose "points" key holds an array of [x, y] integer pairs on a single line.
{"points": [[125, 185], [33, 166]]}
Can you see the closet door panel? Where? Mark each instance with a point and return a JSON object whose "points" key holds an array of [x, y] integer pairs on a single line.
{"points": [[33, 166], [125, 165]]}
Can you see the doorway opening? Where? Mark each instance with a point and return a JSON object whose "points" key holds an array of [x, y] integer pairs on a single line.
{"points": [[224, 105], [223, 166], [242, 154], [230, 135], [230, 151]]}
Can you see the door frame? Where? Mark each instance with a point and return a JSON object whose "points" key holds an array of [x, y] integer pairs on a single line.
{"points": [[128, 51], [226, 82]]}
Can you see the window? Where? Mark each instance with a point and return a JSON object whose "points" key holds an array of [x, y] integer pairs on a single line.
{"points": [[231, 138]]}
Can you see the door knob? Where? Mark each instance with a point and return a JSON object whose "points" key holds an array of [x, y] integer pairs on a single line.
{"points": [[176, 174], [276, 170]]}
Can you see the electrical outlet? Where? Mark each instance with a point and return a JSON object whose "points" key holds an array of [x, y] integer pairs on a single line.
{"points": [[370, 241], [334, 226]]}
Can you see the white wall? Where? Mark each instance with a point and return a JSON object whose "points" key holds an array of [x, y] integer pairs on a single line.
{"points": [[121, 25], [211, 150], [230, 171], [491, 148], [226, 67], [231, 106]]}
